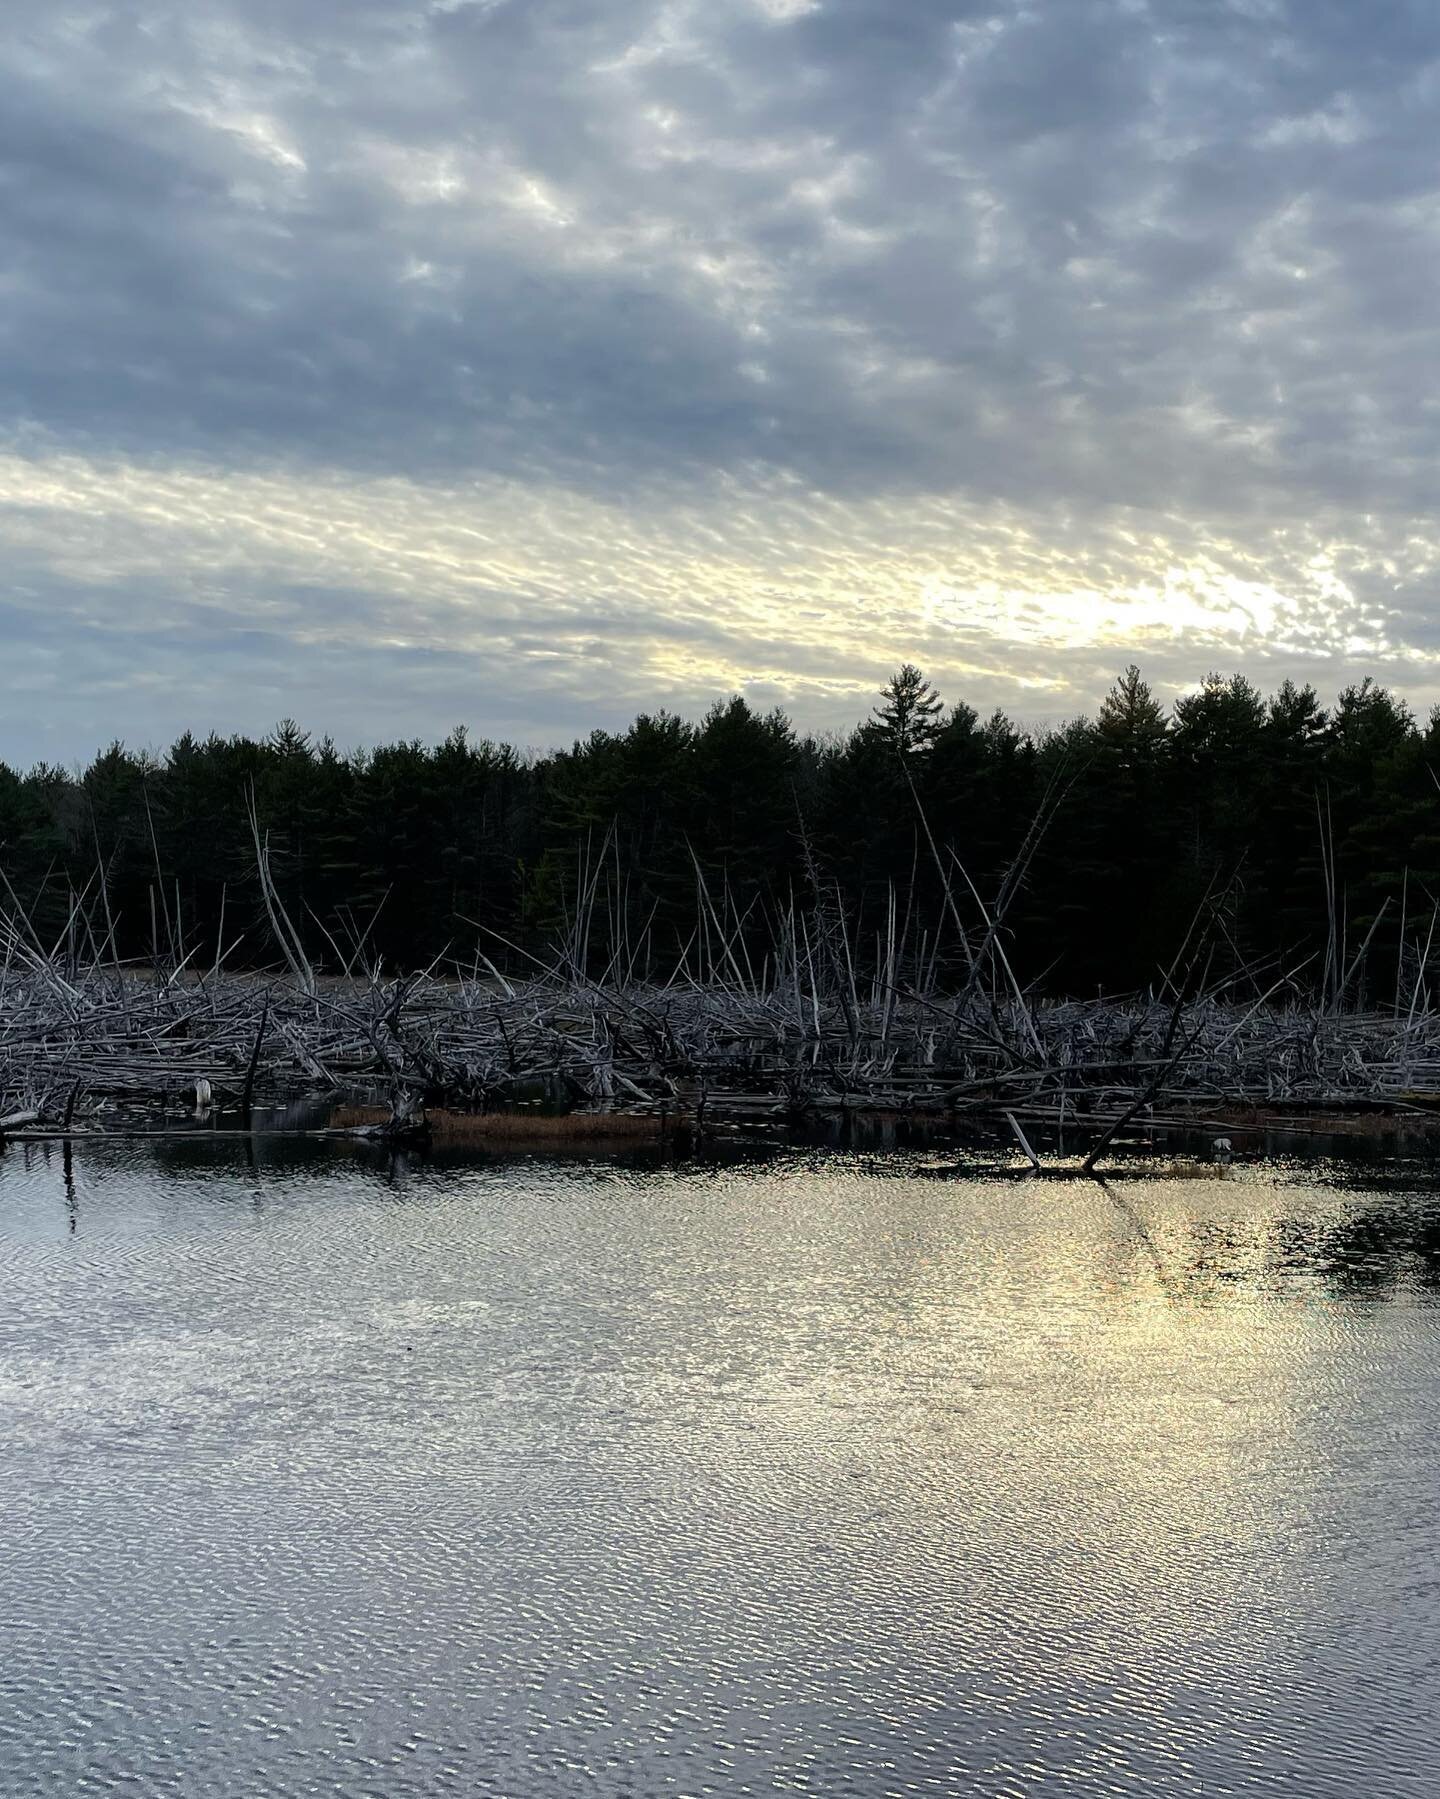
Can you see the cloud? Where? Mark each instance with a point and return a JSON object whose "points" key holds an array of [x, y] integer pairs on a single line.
{"points": [[171, 598], [610, 352]]}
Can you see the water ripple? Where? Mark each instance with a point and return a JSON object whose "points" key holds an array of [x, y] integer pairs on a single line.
{"points": [[814, 1475]]}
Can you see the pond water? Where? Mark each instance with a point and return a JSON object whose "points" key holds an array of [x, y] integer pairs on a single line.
{"points": [[832, 1474]]}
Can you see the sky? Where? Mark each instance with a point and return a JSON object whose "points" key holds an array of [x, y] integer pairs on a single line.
{"points": [[392, 364]]}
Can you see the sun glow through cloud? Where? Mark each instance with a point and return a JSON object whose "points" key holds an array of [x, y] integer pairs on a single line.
{"points": [[793, 593]]}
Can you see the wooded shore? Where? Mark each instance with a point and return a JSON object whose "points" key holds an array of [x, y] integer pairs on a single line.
{"points": [[921, 998]]}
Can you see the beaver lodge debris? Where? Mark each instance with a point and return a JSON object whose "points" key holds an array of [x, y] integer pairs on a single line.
{"points": [[83, 1049]]}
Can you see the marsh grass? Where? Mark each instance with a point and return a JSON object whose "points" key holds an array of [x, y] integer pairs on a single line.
{"points": [[523, 1125]]}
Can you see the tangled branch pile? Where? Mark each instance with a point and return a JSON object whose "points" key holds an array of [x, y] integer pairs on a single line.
{"points": [[91, 1040]]}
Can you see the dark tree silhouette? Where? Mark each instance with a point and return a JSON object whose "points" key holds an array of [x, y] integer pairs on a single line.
{"points": [[1320, 827], [907, 720]]}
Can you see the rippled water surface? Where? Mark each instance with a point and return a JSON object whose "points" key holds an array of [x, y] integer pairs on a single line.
{"points": [[818, 1474]]}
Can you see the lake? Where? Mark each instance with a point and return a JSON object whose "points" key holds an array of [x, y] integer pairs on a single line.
{"points": [[838, 1474]]}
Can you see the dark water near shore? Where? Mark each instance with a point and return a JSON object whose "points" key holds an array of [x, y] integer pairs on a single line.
{"points": [[811, 1473]]}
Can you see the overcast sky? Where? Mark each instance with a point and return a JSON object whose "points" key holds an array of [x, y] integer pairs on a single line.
{"points": [[530, 362]]}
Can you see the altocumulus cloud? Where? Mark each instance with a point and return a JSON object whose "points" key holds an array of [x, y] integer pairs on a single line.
{"points": [[532, 361]]}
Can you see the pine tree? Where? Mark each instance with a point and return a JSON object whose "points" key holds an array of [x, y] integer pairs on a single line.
{"points": [[908, 716], [1131, 725]]}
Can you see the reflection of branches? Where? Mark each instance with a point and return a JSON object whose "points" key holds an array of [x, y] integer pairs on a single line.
{"points": [[1142, 1231], [72, 1203]]}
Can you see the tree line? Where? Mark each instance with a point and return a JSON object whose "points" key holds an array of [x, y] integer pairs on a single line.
{"points": [[1306, 833]]}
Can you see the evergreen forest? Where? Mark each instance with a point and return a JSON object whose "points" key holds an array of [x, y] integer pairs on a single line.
{"points": [[1309, 832]]}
